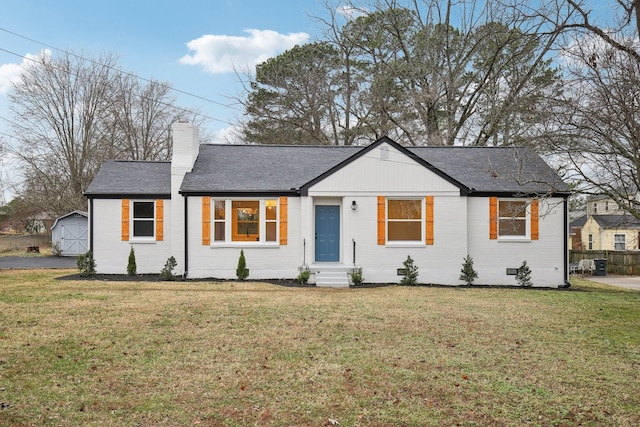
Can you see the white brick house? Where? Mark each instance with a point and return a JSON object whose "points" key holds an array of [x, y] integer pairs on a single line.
{"points": [[330, 209]]}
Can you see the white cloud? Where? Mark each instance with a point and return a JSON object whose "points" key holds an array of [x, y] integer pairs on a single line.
{"points": [[8, 73], [11, 72], [223, 54], [228, 135]]}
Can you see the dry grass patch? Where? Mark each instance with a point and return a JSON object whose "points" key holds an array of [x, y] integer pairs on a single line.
{"points": [[237, 354]]}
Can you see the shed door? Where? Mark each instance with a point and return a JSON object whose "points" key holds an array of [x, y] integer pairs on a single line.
{"points": [[327, 233], [73, 240]]}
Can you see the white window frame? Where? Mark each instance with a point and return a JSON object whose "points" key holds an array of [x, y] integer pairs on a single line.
{"points": [[423, 231], [617, 241], [228, 223], [527, 220], [133, 219], [590, 245]]}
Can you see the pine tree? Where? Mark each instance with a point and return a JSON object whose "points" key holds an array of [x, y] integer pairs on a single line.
{"points": [[410, 272], [242, 271], [523, 276], [132, 268], [467, 273]]}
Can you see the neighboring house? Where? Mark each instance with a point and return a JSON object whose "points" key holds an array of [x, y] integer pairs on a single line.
{"points": [[332, 209], [70, 234], [575, 232], [617, 232], [604, 205]]}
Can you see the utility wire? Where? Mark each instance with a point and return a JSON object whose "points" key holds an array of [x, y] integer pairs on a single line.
{"points": [[115, 69], [186, 110]]}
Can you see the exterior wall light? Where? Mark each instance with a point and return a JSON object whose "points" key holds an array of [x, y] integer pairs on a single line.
{"points": [[354, 205]]}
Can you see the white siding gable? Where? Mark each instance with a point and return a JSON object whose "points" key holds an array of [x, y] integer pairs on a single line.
{"points": [[383, 170]]}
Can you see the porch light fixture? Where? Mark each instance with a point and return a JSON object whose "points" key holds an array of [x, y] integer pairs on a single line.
{"points": [[354, 205]]}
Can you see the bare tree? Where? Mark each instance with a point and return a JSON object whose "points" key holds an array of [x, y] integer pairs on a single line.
{"points": [[600, 118], [72, 113], [142, 118], [60, 107]]}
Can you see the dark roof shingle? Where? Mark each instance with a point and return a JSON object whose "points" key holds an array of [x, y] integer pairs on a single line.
{"points": [[288, 168], [261, 168], [119, 177], [617, 221], [494, 169]]}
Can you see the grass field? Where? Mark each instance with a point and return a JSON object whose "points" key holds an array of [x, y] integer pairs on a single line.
{"points": [[251, 354]]}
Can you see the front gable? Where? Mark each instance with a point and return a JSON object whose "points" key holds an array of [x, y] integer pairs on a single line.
{"points": [[383, 167]]}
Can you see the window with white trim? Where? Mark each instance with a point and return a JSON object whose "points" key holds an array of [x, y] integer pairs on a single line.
{"points": [[619, 243], [405, 220], [219, 217], [143, 219], [512, 218], [590, 242], [245, 221]]}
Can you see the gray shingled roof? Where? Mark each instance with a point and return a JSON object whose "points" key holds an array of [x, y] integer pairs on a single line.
{"points": [[617, 221], [273, 168], [494, 169], [118, 177], [287, 168], [261, 168]]}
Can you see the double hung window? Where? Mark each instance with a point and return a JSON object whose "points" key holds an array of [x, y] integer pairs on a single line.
{"points": [[143, 219], [619, 242], [513, 219], [405, 220]]}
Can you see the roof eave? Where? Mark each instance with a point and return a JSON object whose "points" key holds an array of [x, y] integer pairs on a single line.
{"points": [[241, 193], [93, 195]]}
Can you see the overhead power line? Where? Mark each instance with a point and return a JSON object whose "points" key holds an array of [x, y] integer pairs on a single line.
{"points": [[120, 71]]}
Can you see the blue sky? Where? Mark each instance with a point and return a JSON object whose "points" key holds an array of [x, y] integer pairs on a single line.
{"points": [[191, 44]]}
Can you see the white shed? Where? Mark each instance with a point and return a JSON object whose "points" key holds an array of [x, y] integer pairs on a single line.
{"points": [[69, 233]]}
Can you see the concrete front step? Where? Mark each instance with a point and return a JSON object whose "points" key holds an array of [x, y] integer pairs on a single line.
{"points": [[331, 276]]}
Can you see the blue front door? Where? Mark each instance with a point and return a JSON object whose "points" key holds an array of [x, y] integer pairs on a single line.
{"points": [[327, 233]]}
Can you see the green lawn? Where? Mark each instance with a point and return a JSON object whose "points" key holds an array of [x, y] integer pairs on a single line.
{"points": [[245, 354]]}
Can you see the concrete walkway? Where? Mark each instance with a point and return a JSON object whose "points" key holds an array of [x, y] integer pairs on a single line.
{"points": [[629, 282], [26, 262]]}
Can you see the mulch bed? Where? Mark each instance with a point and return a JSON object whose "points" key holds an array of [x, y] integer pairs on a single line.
{"points": [[290, 283]]}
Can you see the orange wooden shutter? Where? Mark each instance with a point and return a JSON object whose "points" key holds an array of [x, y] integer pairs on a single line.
{"points": [[381, 220], [429, 220], [125, 220], [283, 219], [493, 217], [534, 219], [159, 220], [206, 220]]}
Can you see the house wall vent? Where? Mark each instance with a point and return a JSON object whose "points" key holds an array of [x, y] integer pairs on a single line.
{"points": [[384, 152]]}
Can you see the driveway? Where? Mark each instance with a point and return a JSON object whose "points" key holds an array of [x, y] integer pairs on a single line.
{"points": [[629, 282], [19, 262]]}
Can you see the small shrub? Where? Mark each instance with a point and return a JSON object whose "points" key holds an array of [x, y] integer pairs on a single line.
{"points": [[356, 276], [523, 276], [167, 271], [467, 273], [132, 268], [242, 272], [410, 272], [303, 277], [86, 264]]}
